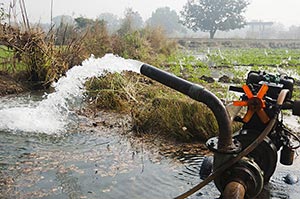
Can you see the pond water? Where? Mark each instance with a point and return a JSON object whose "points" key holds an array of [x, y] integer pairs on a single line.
{"points": [[99, 159], [95, 159], [47, 150]]}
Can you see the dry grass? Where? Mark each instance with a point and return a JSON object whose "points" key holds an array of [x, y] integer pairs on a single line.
{"points": [[154, 108], [42, 61]]}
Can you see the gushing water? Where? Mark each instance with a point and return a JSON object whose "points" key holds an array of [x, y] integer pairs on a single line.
{"points": [[52, 115]]}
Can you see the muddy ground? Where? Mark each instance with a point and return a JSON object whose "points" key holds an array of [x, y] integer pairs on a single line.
{"points": [[9, 85]]}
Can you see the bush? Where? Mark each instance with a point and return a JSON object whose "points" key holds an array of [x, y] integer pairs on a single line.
{"points": [[148, 45], [97, 40], [43, 62]]}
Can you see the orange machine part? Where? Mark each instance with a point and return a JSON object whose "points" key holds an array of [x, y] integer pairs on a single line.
{"points": [[255, 104]]}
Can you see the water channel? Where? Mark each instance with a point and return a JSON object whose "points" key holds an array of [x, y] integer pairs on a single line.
{"points": [[47, 150]]}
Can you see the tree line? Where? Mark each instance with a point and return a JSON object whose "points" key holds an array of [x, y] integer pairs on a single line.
{"points": [[219, 18], [200, 15]]}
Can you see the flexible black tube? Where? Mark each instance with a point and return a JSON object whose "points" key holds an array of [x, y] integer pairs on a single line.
{"points": [[199, 94]]}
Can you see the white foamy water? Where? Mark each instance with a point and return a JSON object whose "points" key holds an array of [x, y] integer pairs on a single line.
{"points": [[52, 114]]}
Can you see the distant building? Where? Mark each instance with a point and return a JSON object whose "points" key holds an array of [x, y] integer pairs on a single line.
{"points": [[258, 28]]}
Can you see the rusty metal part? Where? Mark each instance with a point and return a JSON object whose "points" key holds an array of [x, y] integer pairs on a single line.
{"points": [[246, 172], [213, 145], [234, 190], [218, 171], [282, 96]]}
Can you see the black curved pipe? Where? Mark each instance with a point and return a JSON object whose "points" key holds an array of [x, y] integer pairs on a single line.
{"points": [[199, 94]]}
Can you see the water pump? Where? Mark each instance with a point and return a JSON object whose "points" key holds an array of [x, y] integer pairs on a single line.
{"points": [[251, 172], [245, 160]]}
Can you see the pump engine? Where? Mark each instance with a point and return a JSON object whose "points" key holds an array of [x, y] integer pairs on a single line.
{"points": [[254, 170], [243, 161]]}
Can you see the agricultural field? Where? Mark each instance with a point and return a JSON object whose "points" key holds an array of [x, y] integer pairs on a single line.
{"points": [[254, 57]]}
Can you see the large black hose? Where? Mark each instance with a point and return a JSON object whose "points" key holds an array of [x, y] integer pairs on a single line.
{"points": [[199, 94]]}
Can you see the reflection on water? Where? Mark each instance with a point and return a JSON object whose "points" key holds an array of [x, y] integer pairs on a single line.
{"points": [[97, 158], [92, 162], [99, 161]]}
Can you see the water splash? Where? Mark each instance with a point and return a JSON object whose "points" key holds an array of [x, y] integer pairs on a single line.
{"points": [[52, 114]]}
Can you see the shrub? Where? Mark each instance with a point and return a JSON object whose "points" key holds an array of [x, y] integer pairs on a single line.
{"points": [[43, 61], [96, 40]]}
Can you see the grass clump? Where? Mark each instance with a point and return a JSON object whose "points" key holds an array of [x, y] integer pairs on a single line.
{"points": [[154, 108], [33, 53], [111, 91], [183, 119], [148, 45]]}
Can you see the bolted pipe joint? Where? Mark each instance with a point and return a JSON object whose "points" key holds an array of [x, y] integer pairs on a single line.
{"points": [[245, 175]]}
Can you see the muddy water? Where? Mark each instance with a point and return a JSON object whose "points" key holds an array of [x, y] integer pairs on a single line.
{"points": [[100, 159], [93, 158], [87, 163]]}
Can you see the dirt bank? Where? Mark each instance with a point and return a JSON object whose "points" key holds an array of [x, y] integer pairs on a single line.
{"points": [[9, 85]]}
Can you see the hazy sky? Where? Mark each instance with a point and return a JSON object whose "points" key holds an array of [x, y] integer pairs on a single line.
{"points": [[286, 12]]}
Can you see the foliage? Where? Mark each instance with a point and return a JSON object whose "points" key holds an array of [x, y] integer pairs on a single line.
{"points": [[182, 119], [212, 15], [131, 22], [148, 45], [131, 45], [120, 91], [187, 67], [108, 92], [254, 57], [65, 33], [8, 64], [165, 18], [63, 19], [96, 40], [35, 51], [112, 21], [83, 23], [46, 57]]}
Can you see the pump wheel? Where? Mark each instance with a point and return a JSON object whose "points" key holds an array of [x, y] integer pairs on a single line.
{"points": [[245, 172], [265, 155], [255, 104]]}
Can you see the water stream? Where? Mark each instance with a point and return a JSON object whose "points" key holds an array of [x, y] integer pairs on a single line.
{"points": [[48, 151]]}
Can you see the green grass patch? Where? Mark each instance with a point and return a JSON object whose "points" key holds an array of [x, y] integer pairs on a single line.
{"points": [[182, 119], [154, 107], [9, 62], [252, 57]]}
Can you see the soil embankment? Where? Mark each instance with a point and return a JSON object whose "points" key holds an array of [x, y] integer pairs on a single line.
{"points": [[8, 85]]}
